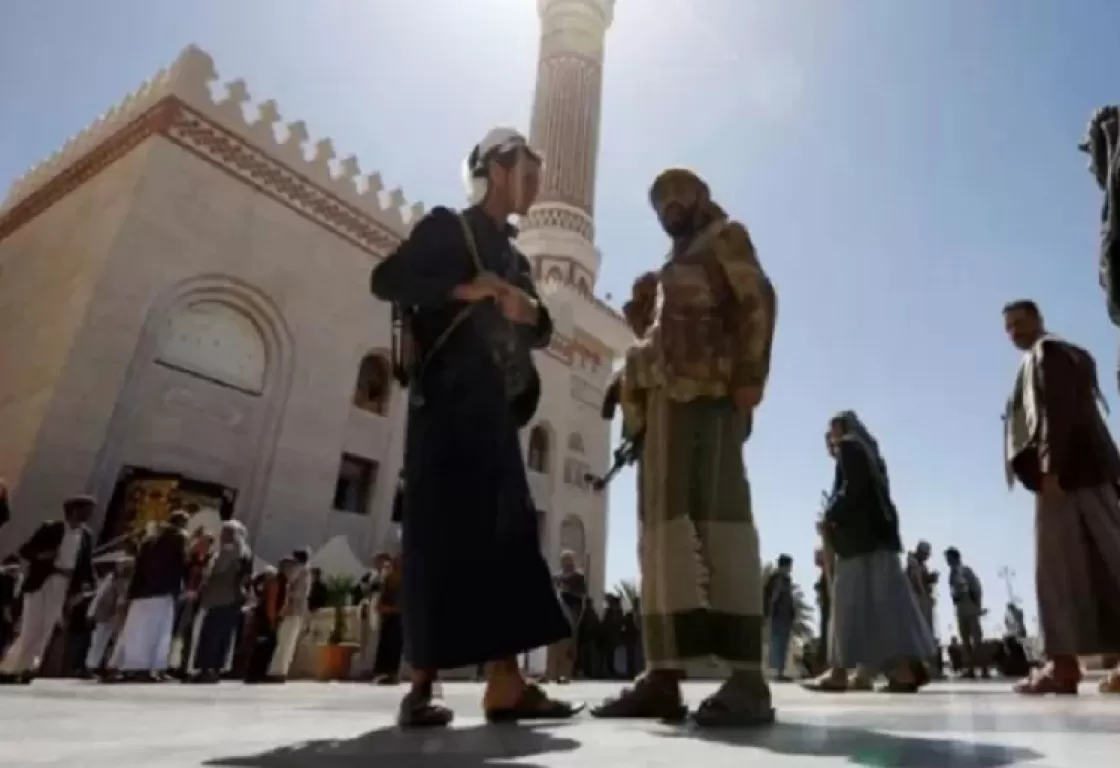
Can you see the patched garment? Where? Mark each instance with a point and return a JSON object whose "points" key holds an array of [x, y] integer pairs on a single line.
{"points": [[714, 324]]}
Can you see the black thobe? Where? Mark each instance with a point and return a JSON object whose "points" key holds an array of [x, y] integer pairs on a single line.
{"points": [[476, 586]]}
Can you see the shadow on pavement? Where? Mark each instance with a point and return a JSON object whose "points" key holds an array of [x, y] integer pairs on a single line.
{"points": [[864, 747], [477, 747]]}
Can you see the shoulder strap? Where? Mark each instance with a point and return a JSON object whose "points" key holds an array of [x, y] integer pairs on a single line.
{"points": [[472, 247], [463, 313]]}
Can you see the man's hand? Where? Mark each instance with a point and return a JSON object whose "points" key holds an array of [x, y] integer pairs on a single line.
{"points": [[518, 306], [486, 286], [747, 398], [1050, 488]]}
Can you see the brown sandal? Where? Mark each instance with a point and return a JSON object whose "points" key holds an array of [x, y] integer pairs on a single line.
{"points": [[1044, 682], [1111, 683], [419, 710], [647, 699], [534, 704], [829, 683]]}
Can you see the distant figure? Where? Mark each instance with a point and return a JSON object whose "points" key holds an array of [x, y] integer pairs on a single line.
{"points": [[968, 601], [158, 578], [1014, 623], [876, 624], [923, 581], [107, 612], [571, 586], [780, 613], [319, 595], [59, 558], [221, 596], [390, 636], [293, 614]]}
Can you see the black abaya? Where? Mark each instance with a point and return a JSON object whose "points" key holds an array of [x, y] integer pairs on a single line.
{"points": [[476, 586]]}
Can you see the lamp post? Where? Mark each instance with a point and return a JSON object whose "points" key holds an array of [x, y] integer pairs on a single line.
{"points": [[1008, 575]]}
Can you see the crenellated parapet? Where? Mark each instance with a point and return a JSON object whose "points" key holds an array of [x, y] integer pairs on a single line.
{"points": [[249, 141]]}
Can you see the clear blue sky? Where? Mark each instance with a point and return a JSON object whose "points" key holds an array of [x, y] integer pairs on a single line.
{"points": [[905, 168]]}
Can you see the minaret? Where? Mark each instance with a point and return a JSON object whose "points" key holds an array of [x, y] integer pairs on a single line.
{"points": [[559, 231]]}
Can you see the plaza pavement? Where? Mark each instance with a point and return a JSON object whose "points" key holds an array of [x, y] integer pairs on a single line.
{"points": [[313, 725]]}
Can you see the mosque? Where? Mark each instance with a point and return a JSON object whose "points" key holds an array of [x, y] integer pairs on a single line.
{"points": [[185, 316]]}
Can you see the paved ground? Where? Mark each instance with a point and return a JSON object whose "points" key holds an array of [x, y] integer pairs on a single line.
{"points": [[309, 725]]}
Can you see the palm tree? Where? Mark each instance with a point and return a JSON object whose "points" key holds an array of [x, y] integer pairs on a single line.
{"points": [[627, 591], [802, 612]]}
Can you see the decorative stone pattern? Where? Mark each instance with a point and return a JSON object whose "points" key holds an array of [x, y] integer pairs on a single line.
{"points": [[566, 125], [177, 103], [545, 216], [273, 427]]}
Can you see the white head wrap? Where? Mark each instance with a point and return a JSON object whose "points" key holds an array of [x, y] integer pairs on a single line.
{"points": [[497, 141]]}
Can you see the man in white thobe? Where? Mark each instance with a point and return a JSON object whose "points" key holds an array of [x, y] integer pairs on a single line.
{"points": [[293, 615], [59, 563]]}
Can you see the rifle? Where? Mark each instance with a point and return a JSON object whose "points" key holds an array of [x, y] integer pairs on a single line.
{"points": [[625, 454]]}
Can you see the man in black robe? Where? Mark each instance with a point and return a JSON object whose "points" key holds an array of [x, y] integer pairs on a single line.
{"points": [[469, 522]]}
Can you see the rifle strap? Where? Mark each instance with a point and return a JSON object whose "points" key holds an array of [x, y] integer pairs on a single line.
{"points": [[463, 313]]}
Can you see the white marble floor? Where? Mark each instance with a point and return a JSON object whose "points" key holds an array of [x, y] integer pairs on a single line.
{"points": [[309, 725]]}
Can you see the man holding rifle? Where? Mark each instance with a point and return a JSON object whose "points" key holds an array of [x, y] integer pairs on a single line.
{"points": [[688, 390]]}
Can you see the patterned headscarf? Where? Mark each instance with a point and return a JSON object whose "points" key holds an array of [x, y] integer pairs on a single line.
{"points": [[857, 432], [675, 181]]}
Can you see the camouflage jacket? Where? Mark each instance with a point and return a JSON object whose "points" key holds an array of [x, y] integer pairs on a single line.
{"points": [[713, 327]]}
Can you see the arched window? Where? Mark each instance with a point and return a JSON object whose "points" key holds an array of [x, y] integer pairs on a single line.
{"points": [[583, 286], [538, 456], [215, 341], [374, 384], [575, 442]]}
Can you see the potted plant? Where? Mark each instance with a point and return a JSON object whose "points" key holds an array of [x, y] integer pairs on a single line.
{"points": [[334, 657]]}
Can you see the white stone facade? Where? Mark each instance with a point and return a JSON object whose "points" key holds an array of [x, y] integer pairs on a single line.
{"points": [[184, 291]]}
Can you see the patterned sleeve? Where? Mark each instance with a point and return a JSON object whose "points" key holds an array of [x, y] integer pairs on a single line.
{"points": [[755, 311]]}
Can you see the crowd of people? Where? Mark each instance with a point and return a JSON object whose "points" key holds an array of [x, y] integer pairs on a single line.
{"points": [[170, 605], [468, 320]]}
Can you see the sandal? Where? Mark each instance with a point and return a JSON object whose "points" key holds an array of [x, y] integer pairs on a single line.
{"points": [[829, 683], [534, 704], [919, 678], [859, 684], [893, 685], [419, 710], [734, 710], [648, 699], [1044, 682], [1111, 684]]}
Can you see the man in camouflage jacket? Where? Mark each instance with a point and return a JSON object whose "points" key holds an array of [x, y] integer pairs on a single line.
{"points": [[690, 386]]}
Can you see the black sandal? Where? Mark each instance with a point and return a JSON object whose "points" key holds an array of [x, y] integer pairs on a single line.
{"points": [[897, 686], [419, 710], [534, 704], [723, 710]]}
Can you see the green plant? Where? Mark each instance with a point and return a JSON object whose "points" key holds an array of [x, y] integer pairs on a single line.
{"points": [[628, 592], [339, 590]]}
